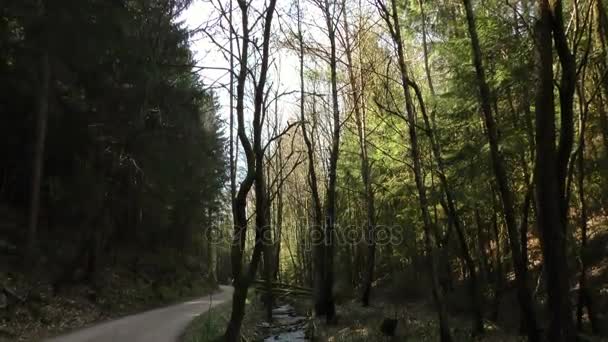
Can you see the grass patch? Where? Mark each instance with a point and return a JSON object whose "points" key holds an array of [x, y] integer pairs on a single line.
{"points": [[208, 326], [211, 325]]}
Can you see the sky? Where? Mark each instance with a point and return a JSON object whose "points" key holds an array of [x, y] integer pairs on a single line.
{"points": [[208, 54]]}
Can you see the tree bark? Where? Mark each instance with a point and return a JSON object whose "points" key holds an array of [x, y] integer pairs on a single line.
{"points": [[391, 17], [330, 203], [499, 278], [231, 94], [603, 119], [584, 293], [255, 174], [279, 210], [233, 329], [474, 287], [524, 293], [481, 246], [41, 117], [427, 69], [550, 181], [602, 33], [316, 230], [368, 192]]}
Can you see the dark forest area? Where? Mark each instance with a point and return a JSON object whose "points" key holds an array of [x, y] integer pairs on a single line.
{"points": [[112, 154]]}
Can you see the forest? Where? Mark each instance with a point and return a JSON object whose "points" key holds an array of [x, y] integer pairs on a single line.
{"points": [[419, 170]]}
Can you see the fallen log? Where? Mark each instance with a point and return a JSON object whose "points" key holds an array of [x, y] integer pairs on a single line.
{"points": [[282, 285], [12, 294], [284, 292]]}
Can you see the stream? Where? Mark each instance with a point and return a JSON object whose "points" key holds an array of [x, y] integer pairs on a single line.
{"points": [[287, 325]]}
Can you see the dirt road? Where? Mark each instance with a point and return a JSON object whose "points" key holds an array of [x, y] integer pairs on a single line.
{"points": [[159, 325]]}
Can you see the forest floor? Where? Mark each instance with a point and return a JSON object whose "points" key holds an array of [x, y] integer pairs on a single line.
{"points": [[416, 321], [404, 297], [38, 313]]}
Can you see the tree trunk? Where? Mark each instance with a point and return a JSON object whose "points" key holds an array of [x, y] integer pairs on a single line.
{"points": [[279, 220], [603, 118], [499, 278], [233, 330], [212, 256], [392, 20], [263, 224], [481, 246], [602, 32], [316, 232], [330, 203], [255, 174], [523, 231], [262, 204], [524, 293], [474, 288], [368, 194], [233, 157], [584, 293], [550, 184], [427, 69], [42, 108], [447, 280]]}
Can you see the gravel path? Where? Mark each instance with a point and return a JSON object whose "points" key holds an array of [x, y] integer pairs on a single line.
{"points": [[159, 325]]}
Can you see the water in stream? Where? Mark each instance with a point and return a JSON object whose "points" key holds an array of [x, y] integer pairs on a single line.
{"points": [[287, 326]]}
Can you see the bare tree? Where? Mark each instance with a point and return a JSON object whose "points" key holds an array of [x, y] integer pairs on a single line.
{"points": [[233, 157], [356, 97], [317, 216], [327, 307], [255, 172]]}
